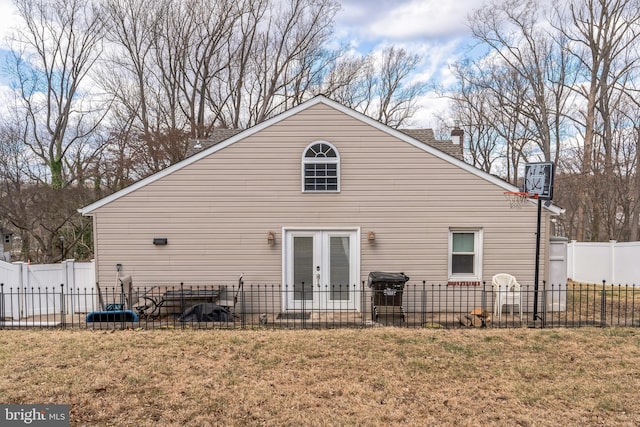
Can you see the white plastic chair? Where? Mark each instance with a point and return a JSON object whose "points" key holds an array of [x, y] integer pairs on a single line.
{"points": [[507, 292]]}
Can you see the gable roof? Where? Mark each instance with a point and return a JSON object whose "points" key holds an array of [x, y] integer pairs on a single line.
{"points": [[411, 136]]}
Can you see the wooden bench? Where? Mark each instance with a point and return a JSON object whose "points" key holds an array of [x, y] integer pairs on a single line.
{"points": [[178, 300]]}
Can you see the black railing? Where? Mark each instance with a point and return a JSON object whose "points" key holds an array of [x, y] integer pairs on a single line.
{"points": [[415, 305]]}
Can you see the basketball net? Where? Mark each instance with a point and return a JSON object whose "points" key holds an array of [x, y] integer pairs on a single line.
{"points": [[517, 199]]}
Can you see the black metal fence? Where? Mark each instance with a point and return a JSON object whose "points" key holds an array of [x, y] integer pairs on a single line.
{"points": [[416, 305]]}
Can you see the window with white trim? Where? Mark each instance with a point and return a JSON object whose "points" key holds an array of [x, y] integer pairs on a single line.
{"points": [[320, 168], [465, 254]]}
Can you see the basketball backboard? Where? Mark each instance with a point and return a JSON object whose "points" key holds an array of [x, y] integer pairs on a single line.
{"points": [[538, 179]]}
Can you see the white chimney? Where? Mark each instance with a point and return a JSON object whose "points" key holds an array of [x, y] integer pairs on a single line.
{"points": [[457, 137]]}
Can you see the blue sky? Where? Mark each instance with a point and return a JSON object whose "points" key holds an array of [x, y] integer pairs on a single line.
{"points": [[435, 29]]}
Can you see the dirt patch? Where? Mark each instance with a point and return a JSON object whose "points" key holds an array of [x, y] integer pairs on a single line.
{"points": [[380, 376]]}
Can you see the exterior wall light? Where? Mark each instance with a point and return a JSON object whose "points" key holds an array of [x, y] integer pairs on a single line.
{"points": [[371, 236], [271, 238]]}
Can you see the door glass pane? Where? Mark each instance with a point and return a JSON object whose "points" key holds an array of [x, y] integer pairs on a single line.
{"points": [[462, 242], [339, 268], [303, 268]]}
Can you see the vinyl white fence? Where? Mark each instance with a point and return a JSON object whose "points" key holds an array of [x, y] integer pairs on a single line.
{"points": [[33, 290], [614, 262]]}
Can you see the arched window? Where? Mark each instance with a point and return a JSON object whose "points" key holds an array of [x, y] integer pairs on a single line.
{"points": [[320, 168]]}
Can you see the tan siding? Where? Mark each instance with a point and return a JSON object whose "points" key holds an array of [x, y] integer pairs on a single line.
{"points": [[216, 213]]}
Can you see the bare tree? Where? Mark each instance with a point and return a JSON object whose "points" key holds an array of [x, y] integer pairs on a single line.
{"points": [[602, 33], [231, 92], [51, 133], [51, 58], [42, 216], [634, 215], [294, 32], [350, 81], [396, 98], [514, 32], [378, 85], [132, 34], [13, 159], [473, 110], [180, 69], [489, 103], [167, 58]]}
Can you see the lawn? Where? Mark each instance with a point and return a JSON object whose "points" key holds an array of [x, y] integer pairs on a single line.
{"points": [[377, 376]]}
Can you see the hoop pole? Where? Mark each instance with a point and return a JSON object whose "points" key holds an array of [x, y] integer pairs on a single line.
{"points": [[537, 271]]}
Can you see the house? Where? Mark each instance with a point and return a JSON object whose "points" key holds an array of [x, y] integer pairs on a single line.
{"points": [[316, 196]]}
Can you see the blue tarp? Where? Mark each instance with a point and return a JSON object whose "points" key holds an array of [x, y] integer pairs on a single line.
{"points": [[112, 316]]}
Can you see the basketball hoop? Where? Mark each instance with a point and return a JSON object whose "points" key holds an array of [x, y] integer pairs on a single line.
{"points": [[517, 199]]}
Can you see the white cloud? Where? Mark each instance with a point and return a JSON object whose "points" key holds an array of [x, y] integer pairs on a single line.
{"points": [[405, 19], [7, 19], [431, 106], [421, 19]]}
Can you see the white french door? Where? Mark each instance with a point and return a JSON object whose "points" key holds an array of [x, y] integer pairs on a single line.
{"points": [[321, 270]]}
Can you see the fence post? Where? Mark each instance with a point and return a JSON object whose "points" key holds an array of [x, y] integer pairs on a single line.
{"points": [[183, 304], [603, 305], [612, 254], [483, 298], [571, 259], [304, 303], [122, 304], [423, 306], [70, 280], [63, 316], [23, 280], [544, 302], [1, 303], [243, 319], [363, 305]]}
